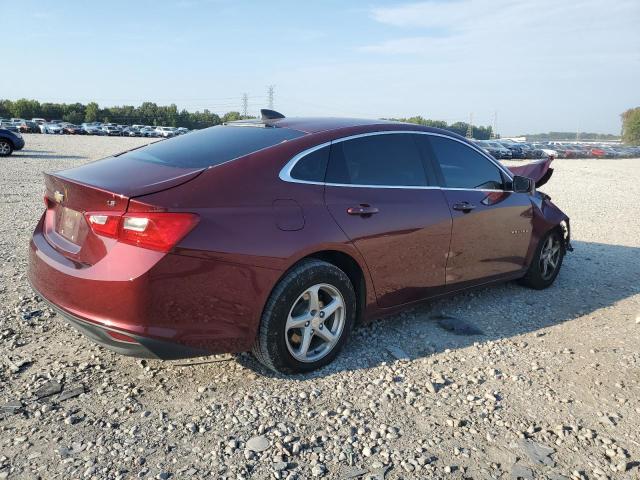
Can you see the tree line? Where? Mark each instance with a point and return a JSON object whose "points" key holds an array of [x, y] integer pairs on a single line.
{"points": [[461, 128], [569, 136], [148, 113]]}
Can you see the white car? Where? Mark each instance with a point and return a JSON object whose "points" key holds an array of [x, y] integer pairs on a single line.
{"points": [[53, 128], [166, 132]]}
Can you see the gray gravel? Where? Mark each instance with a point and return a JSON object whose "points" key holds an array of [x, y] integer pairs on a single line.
{"points": [[528, 385]]}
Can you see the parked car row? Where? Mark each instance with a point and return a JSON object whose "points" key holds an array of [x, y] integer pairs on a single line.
{"points": [[509, 149], [40, 125], [580, 150]]}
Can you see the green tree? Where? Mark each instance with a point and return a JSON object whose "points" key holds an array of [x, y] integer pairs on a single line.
{"points": [[5, 108], [51, 111], [480, 133], [24, 108], [631, 126], [91, 112], [231, 117]]}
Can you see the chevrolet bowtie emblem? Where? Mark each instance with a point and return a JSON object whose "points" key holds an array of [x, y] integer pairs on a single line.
{"points": [[59, 197]]}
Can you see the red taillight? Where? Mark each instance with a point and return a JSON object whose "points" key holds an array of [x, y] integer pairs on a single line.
{"points": [[104, 223], [157, 231], [153, 230]]}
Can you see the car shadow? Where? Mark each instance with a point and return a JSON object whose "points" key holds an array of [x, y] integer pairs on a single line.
{"points": [[488, 313], [24, 150]]}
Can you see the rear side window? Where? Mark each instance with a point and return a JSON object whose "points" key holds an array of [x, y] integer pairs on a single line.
{"points": [[212, 146], [463, 167], [387, 159], [313, 166]]}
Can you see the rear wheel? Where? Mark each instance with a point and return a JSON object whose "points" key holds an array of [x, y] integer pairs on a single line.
{"points": [[5, 148], [307, 318], [546, 262]]}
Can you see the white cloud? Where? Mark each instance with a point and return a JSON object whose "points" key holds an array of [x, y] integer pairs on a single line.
{"points": [[407, 45], [543, 65], [540, 29]]}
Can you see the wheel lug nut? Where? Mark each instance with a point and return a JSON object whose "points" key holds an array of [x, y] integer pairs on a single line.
{"points": [[306, 324]]}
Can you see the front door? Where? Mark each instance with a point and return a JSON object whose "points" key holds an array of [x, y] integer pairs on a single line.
{"points": [[492, 226], [378, 192]]}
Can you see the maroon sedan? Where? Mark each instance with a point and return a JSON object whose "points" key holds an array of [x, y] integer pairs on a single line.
{"points": [[279, 235]]}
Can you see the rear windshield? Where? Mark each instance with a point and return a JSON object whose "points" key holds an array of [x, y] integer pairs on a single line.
{"points": [[212, 146]]}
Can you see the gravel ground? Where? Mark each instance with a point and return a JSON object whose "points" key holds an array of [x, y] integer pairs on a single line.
{"points": [[503, 382]]}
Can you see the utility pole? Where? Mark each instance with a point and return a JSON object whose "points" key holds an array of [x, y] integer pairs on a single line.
{"points": [[245, 105], [270, 96], [470, 127]]}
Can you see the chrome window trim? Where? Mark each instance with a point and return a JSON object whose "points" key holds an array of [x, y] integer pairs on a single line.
{"points": [[285, 172]]}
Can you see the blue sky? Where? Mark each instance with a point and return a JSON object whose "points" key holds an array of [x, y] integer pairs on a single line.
{"points": [[541, 65]]}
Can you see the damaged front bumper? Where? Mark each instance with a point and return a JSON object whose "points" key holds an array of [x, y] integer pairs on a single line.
{"points": [[566, 235]]}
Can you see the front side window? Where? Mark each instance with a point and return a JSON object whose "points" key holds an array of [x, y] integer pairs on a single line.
{"points": [[386, 160], [463, 167]]}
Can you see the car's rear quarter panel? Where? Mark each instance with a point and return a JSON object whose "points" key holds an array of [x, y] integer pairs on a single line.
{"points": [[238, 239]]}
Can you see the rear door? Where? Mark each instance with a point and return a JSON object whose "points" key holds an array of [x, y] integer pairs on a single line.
{"points": [[492, 226], [380, 194]]}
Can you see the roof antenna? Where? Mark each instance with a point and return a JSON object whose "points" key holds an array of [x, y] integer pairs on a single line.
{"points": [[270, 114]]}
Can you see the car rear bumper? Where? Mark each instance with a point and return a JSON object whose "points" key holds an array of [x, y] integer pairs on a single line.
{"points": [[127, 344], [171, 305]]}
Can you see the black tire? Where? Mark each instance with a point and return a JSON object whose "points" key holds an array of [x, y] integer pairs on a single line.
{"points": [[6, 148], [270, 347], [535, 277]]}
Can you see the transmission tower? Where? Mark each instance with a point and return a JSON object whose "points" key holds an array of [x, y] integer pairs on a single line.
{"points": [[245, 105], [470, 127], [270, 96], [494, 131]]}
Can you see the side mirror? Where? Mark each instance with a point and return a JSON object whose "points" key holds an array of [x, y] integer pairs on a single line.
{"points": [[523, 184]]}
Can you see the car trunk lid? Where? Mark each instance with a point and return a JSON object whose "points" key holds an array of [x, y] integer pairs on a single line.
{"points": [[76, 197]]}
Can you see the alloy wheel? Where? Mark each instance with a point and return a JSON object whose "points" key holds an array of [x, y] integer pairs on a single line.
{"points": [[315, 323], [549, 257], [5, 148]]}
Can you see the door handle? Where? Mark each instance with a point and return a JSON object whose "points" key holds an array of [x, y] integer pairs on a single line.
{"points": [[465, 207], [363, 210]]}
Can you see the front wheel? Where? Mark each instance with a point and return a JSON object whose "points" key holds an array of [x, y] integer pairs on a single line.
{"points": [[5, 148], [546, 262], [307, 318]]}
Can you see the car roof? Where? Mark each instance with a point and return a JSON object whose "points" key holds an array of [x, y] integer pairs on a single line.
{"points": [[315, 125], [323, 124]]}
